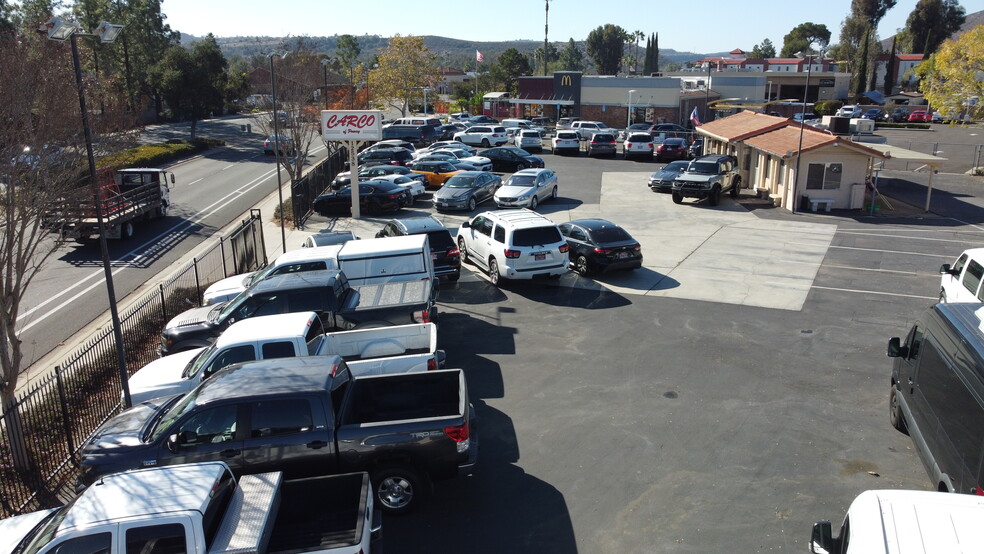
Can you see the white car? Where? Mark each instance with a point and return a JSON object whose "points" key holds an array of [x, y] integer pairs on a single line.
{"points": [[961, 281], [638, 145], [483, 135], [850, 110], [442, 144], [480, 162], [415, 186], [527, 188], [566, 141], [529, 139]]}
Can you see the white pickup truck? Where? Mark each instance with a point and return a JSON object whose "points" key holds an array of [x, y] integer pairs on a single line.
{"points": [[201, 509], [375, 351]]}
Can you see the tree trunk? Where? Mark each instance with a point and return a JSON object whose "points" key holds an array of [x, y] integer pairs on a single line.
{"points": [[15, 432]]}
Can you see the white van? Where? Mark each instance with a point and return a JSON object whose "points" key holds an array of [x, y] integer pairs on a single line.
{"points": [[418, 121], [961, 282], [516, 123], [897, 521]]}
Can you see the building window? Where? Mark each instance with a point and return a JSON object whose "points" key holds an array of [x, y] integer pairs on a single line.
{"points": [[824, 176], [768, 162]]}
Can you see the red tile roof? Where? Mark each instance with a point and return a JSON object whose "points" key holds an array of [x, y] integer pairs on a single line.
{"points": [[741, 125], [786, 140]]}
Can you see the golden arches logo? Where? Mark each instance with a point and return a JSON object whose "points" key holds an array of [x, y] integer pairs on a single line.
{"points": [[565, 81]]}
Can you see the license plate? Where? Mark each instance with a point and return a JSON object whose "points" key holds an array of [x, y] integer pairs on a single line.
{"points": [[539, 256], [623, 255], [433, 256]]}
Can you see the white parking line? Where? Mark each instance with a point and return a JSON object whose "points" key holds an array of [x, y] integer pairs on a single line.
{"points": [[874, 292], [905, 237], [944, 256]]}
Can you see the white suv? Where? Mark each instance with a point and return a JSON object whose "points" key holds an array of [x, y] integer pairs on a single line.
{"points": [[513, 244], [483, 135]]}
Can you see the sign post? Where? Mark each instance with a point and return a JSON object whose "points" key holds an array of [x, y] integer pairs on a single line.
{"points": [[352, 128]]}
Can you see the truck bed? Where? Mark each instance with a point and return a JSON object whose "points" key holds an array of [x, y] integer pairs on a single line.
{"points": [[321, 513], [433, 394]]}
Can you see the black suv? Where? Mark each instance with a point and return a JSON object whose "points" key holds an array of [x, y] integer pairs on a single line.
{"points": [[708, 177], [447, 258], [392, 156]]}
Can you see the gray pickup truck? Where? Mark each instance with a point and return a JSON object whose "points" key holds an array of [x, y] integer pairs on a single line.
{"points": [[303, 417], [326, 292]]}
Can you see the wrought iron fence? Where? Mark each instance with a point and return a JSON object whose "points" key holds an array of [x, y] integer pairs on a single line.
{"points": [[314, 182], [57, 414]]}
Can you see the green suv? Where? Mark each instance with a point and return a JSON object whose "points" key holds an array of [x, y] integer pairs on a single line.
{"points": [[708, 177]]}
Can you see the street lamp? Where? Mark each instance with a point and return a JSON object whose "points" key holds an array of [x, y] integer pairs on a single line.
{"points": [[276, 145], [628, 117], [62, 30], [799, 150], [324, 64]]}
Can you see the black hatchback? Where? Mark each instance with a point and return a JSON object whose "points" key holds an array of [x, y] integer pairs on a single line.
{"points": [[597, 246], [447, 258]]}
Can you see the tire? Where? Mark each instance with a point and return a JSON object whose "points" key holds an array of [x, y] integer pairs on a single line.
{"points": [[127, 231], [398, 489], [454, 276], [553, 194], [494, 272], [895, 412], [715, 197], [471, 204], [736, 188], [534, 203], [581, 265], [161, 211], [677, 198], [485, 143], [463, 251], [942, 296]]}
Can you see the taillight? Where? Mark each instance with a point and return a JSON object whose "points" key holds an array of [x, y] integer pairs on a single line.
{"points": [[637, 247], [393, 196], [511, 253], [432, 363], [457, 433], [454, 252], [564, 248], [423, 316], [602, 251]]}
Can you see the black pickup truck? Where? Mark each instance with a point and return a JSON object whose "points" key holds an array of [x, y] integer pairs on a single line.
{"points": [[303, 417], [327, 292]]}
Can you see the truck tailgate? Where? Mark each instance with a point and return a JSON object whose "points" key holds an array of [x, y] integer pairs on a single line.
{"points": [[382, 342]]}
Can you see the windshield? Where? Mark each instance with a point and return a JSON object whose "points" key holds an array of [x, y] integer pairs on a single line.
{"points": [[45, 531], [259, 274], [521, 181], [185, 405], [459, 182], [195, 364], [707, 168], [217, 311], [678, 166]]}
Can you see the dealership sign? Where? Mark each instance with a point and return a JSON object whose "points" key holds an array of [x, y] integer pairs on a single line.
{"points": [[351, 125]]}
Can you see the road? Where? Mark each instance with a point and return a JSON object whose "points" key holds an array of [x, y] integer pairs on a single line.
{"points": [[210, 192]]}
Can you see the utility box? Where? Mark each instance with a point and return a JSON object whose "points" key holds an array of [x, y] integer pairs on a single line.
{"points": [[860, 126]]}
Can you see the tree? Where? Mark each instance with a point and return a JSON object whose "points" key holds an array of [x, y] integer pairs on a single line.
{"points": [[605, 47], [889, 85], [862, 67], [949, 79], [802, 38], [552, 55], [766, 49], [571, 57], [932, 22], [636, 36], [507, 70], [192, 83], [347, 50], [405, 66], [145, 36]]}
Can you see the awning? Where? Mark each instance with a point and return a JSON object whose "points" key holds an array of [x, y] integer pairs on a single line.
{"points": [[875, 96], [495, 95], [547, 101], [905, 155]]}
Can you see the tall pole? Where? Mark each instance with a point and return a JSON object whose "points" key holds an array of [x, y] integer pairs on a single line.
{"points": [[103, 246], [276, 144], [546, 26], [628, 117], [707, 89], [325, 67], [799, 149]]}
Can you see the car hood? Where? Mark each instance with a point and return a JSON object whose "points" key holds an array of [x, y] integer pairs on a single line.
{"points": [[162, 377], [665, 175], [14, 529], [226, 289], [126, 429], [479, 160], [513, 190], [194, 316], [696, 178], [448, 193]]}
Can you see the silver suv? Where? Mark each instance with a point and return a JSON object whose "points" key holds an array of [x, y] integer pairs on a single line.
{"points": [[513, 244]]}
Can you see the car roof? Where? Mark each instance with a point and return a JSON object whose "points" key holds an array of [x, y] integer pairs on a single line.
{"points": [[532, 171], [269, 327], [419, 224], [301, 279], [522, 218], [593, 223]]}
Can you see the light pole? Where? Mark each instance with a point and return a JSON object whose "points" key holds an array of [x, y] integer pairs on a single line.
{"points": [[276, 145], [799, 149], [324, 65], [425, 98], [628, 117], [546, 20], [707, 89], [62, 30]]}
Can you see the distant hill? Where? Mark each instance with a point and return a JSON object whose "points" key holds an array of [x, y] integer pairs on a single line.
{"points": [[973, 20], [452, 52]]}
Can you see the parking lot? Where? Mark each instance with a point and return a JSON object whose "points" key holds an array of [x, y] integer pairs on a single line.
{"points": [[722, 398]]}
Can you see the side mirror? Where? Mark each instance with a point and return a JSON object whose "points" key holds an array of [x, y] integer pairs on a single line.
{"points": [[945, 269], [895, 348], [465, 224], [821, 542]]}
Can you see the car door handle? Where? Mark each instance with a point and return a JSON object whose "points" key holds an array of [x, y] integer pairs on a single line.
{"points": [[229, 452], [317, 444]]}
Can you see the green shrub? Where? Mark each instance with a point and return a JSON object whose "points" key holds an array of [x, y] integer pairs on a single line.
{"points": [[891, 125], [827, 107], [153, 155]]}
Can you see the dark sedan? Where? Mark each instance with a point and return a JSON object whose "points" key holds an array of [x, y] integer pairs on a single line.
{"points": [[672, 149], [511, 158], [662, 180], [374, 197], [373, 171], [466, 190], [598, 246]]}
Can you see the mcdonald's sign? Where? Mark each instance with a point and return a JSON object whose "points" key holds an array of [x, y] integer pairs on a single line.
{"points": [[565, 80]]}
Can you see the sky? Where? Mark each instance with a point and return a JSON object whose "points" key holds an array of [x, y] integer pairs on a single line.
{"points": [[701, 26]]}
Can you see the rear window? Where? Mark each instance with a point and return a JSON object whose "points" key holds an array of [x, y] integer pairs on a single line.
{"points": [[600, 137], [609, 234], [440, 240], [567, 135], [536, 236], [640, 138]]}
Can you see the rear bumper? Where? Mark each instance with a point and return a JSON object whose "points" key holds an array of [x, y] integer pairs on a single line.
{"points": [[468, 466]]}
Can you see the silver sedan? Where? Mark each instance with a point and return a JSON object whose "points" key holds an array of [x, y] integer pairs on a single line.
{"points": [[527, 188]]}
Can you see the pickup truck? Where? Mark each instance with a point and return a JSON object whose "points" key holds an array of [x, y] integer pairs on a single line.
{"points": [[383, 350], [304, 417], [325, 292], [201, 509]]}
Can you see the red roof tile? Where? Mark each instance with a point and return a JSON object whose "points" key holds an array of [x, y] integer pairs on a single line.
{"points": [[741, 125]]}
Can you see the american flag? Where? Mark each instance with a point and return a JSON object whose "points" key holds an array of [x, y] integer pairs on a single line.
{"points": [[479, 57], [694, 118]]}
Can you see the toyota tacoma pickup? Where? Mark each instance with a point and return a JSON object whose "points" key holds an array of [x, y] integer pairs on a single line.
{"points": [[304, 417], [708, 177], [202, 509], [377, 351]]}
